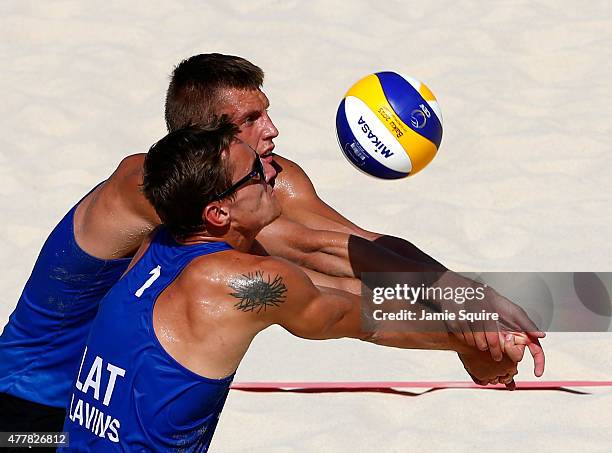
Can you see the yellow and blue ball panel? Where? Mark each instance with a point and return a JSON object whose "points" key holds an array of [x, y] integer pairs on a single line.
{"points": [[389, 126]]}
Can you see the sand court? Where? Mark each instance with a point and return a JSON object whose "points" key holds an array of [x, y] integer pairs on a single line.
{"points": [[522, 182]]}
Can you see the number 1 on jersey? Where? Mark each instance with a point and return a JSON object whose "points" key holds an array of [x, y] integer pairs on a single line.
{"points": [[155, 273]]}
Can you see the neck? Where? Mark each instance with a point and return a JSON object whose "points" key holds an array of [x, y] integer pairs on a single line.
{"points": [[240, 241]]}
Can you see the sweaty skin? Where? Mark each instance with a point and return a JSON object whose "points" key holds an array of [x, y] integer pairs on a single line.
{"points": [[312, 234], [207, 317], [203, 320], [113, 220]]}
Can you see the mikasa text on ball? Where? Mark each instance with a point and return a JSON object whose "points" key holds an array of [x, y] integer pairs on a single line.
{"points": [[389, 125]]}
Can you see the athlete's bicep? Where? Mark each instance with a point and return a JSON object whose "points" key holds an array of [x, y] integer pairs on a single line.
{"points": [[312, 312]]}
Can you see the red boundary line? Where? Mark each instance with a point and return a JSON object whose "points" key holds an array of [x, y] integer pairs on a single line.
{"points": [[254, 386]]}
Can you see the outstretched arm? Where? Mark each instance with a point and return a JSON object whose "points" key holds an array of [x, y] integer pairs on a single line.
{"points": [[329, 253], [302, 204], [335, 246], [323, 313], [320, 313], [334, 253]]}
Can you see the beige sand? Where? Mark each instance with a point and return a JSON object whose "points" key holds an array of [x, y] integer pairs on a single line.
{"points": [[522, 181]]}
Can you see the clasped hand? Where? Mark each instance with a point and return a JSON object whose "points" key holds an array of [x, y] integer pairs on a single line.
{"points": [[502, 340]]}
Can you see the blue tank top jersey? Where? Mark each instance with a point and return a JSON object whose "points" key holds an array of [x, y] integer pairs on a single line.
{"points": [[42, 343], [130, 394]]}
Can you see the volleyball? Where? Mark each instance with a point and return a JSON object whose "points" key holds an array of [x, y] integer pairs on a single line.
{"points": [[389, 125]]}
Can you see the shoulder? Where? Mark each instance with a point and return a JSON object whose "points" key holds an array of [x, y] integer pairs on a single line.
{"points": [[132, 162], [122, 193], [125, 187], [257, 281], [232, 264], [126, 179], [129, 172], [289, 170], [291, 180], [112, 220], [287, 165]]}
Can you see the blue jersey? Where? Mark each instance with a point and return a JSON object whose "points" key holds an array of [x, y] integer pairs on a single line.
{"points": [[130, 394], [42, 343]]}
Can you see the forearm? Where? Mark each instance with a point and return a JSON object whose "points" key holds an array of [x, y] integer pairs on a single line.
{"points": [[334, 253], [416, 332], [345, 255], [408, 334], [406, 249], [418, 340]]}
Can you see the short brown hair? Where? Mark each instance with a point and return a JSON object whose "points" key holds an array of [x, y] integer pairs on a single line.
{"points": [[195, 84], [185, 170]]}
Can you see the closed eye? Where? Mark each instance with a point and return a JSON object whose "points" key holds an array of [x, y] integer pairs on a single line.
{"points": [[251, 118]]}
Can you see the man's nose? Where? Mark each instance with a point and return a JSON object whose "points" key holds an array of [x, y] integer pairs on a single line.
{"points": [[270, 129]]}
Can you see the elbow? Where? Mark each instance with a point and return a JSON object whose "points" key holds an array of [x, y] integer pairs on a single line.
{"points": [[335, 325], [371, 337]]}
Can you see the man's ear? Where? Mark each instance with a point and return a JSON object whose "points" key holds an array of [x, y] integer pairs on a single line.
{"points": [[216, 215]]}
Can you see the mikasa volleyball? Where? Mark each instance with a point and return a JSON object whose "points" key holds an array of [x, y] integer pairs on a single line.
{"points": [[389, 125]]}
